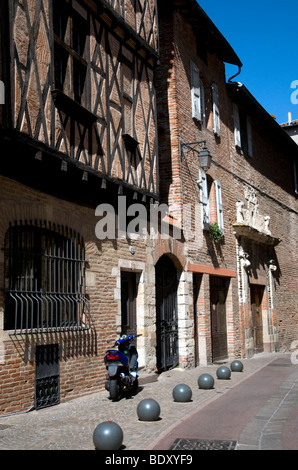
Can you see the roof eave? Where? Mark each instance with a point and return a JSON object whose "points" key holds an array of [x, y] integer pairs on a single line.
{"points": [[201, 23]]}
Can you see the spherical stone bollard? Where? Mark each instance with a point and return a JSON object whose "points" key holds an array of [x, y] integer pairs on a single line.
{"points": [[148, 410], [236, 366], [223, 373], [182, 393], [206, 381], [108, 436]]}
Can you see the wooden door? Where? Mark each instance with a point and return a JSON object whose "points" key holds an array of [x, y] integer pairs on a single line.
{"points": [[256, 317], [218, 294], [128, 303], [197, 280]]}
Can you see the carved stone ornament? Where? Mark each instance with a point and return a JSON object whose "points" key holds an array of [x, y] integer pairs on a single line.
{"points": [[250, 223], [245, 263]]}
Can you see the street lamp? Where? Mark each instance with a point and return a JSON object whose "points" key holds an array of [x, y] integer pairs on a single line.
{"points": [[204, 155]]}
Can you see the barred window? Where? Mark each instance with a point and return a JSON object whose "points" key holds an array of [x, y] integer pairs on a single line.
{"points": [[44, 280]]}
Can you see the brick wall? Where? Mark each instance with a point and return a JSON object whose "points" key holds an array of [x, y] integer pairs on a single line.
{"points": [[268, 174], [118, 98], [81, 364]]}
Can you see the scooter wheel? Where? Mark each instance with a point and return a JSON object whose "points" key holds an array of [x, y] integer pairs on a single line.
{"points": [[115, 390], [135, 386]]}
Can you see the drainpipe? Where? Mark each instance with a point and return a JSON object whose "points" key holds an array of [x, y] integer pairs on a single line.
{"points": [[231, 78]]}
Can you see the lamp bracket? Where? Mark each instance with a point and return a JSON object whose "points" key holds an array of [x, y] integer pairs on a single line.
{"points": [[192, 146]]}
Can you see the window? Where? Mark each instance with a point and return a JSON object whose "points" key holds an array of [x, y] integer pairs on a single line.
{"points": [[47, 379], [44, 280], [211, 201], [60, 67], [79, 77], [128, 93], [197, 94], [70, 33], [216, 116], [242, 131]]}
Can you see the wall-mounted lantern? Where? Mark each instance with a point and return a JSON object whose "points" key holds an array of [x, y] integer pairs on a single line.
{"points": [[204, 155]]}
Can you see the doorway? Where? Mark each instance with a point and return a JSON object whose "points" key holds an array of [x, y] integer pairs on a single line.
{"points": [[128, 303], [256, 296], [218, 295], [166, 314], [197, 281]]}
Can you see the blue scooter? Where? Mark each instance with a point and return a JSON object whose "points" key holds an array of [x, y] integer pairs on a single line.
{"points": [[122, 367]]}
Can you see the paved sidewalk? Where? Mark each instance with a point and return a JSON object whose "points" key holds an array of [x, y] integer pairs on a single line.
{"points": [[269, 419], [260, 413]]}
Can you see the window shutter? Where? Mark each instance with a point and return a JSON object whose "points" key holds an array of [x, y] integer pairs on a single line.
{"points": [[202, 103], [195, 92], [219, 208], [204, 198], [216, 116], [249, 137], [237, 134]]}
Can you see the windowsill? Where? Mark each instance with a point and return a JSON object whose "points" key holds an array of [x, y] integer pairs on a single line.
{"points": [[243, 152], [130, 142], [244, 230], [68, 105]]}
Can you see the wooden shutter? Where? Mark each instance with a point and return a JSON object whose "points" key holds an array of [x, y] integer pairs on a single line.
{"points": [[219, 207], [216, 116], [237, 133], [202, 103], [249, 137], [204, 198], [2, 92], [195, 92]]}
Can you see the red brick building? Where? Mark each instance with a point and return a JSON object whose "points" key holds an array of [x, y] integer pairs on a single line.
{"points": [[78, 130], [108, 108], [242, 290]]}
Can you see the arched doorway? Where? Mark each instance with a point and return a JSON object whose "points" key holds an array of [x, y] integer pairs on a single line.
{"points": [[166, 313]]}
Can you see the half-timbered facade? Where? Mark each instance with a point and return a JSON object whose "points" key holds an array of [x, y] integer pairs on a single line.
{"points": [[113, 217], [82, 86], [78, 132]]}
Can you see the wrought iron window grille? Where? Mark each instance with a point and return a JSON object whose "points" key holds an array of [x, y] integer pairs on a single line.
{"points": [[47, 378], [45, 288]]}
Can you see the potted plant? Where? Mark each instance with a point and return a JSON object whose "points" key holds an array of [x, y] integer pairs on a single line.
{"points": [[216, 232]]}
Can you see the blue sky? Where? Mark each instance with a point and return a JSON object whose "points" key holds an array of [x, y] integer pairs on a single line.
{"points": [[263, 33]]}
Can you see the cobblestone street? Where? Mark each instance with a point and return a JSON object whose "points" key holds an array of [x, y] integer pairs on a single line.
{"points": [[70, 425]]}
